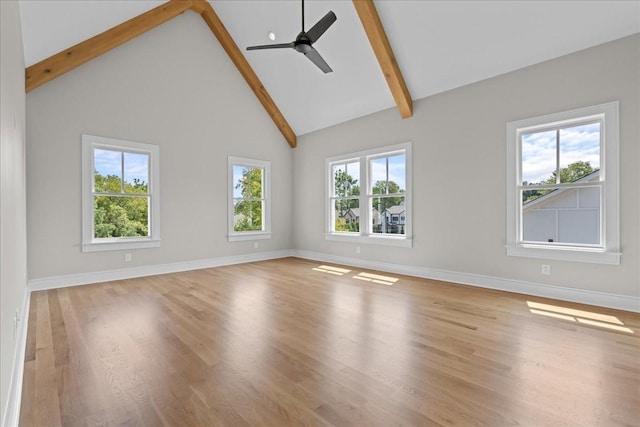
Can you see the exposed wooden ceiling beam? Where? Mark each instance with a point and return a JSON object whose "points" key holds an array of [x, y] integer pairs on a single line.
{"points": [[211, 18], [62, 62], [68, 59], [382, 48]]}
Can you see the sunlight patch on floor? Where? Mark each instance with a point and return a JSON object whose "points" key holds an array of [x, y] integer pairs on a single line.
{"points": [[605, 325], [366, 277], [376, 278], [331, 270], [550, 314], [580, 316]]}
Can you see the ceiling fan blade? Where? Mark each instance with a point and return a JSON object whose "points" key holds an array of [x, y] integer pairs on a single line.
{"points": [[315, 57], [271, 46], [321, 26]]}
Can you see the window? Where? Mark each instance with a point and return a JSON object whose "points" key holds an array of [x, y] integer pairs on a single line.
{"points": [[368, 196], [562, 186], [121, 194], [249, 199]]}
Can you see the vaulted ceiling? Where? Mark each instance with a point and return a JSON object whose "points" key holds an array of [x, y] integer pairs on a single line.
{"points": [[438, 45]]}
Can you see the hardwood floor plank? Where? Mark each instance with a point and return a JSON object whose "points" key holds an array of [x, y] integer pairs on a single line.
{"points": [[47, 406], [284, 342], [27, 410]]}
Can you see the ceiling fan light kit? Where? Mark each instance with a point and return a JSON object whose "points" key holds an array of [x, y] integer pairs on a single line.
{"points": [[305, 40]]}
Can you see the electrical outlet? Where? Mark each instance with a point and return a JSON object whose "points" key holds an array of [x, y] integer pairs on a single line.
{"points": [[127, 257], [357, 249], [256, 245], [546, 270], [16, 322]]}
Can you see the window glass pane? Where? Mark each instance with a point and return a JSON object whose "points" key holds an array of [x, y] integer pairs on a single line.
{"points": [[347, 215], [397, 181], [116, 216], [247, 215], [579, 151], [247, 182], [107, 166], [379, 178], [562, 216], [345, 179], [388, 215], [538, 157], [136, 173], [237, 179], [388, 174]]}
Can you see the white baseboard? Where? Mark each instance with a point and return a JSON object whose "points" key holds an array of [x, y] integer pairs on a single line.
{"points": [[12, 410], [152, 270], [602, 299]]}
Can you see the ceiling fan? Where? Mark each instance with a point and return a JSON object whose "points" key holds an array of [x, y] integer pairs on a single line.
{"points": [[304, 41]]}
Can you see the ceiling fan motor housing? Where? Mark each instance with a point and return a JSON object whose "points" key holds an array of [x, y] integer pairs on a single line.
{"points": [[302, 43]]}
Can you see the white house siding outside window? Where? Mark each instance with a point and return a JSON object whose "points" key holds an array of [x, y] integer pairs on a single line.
{"points": [[562, 185], [121, 194], [369, 196]]}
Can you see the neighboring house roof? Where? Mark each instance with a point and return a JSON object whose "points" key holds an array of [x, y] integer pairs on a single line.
{"points": [[355, 212], [558, 192], [394, 210]]}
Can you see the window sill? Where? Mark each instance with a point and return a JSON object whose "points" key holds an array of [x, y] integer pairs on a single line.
{"points": [[120, 244], [596, 256], [405, 242], [249, 235]]}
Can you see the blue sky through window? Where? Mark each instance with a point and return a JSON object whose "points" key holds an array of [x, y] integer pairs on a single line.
{"points": [[397, 166], [237, 178], [109, 162], [577, 143]]}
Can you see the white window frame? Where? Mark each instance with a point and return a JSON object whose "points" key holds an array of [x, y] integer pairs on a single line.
{"points": [[89, 242], [609, 250], [365, 236], [236, 236]]}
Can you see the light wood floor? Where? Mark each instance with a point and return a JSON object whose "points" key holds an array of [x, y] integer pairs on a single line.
{"points": [[288, 342]]}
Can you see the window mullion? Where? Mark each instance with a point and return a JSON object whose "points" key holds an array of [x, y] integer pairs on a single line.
{"points": [[93, 171], [365, 210], [386, 164], [558, 156], [104, 193], [122, 171]]}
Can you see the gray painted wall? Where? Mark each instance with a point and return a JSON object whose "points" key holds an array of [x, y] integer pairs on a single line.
{"points": [[13, 237], [459, 157], [173, 86]]}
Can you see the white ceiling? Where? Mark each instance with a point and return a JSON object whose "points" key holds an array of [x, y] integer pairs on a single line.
{"points": [[439, 45]]}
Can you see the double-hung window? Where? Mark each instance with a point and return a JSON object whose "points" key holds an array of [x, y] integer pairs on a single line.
{"points": [[249, 216], [369, 196], [121, 194], [562, 186]]}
